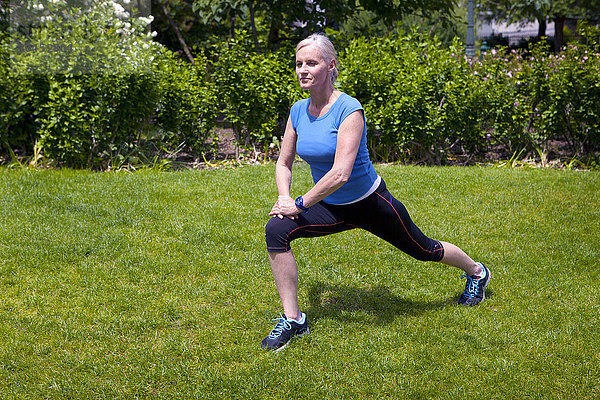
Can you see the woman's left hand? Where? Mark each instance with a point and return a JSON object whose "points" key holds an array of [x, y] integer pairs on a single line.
{"points": [[285, 207]]}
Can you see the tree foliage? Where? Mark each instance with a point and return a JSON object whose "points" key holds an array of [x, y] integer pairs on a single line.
{"points": [[279, 20], [542, 11]]}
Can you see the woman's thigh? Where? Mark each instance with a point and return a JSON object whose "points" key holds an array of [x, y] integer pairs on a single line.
{"points": [[386, 217], [319, 220]]}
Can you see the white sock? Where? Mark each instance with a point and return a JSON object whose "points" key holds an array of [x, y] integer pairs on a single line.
{"points": [[482, 274], [300, 320]]}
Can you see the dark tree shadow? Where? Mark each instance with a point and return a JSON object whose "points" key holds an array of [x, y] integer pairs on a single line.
{"points": [[357, 304]]}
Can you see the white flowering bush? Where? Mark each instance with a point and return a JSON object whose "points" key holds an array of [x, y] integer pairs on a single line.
{"points": [[86, 86], [55, 37]]}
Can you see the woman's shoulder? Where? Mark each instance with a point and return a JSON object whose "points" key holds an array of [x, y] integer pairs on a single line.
{"points": [[346, 105], [297, 110], [348, 100]]}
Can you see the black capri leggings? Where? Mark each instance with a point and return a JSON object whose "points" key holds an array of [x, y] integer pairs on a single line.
{"points": [[380, 213]]}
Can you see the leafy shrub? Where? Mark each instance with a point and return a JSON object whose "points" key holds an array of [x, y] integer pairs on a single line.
{"points": [[20, 99], [255, 90], [416, 94], [89, 119], [575, 94], [424, 101], [542, 98], [188, 103], [97, 105]]}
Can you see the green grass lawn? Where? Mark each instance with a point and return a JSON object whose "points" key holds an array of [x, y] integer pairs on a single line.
{"points": [[157, 285]]}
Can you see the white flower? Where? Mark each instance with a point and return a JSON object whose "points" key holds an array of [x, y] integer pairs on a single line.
{"points": [[118, 8], [127, 25], [154, 33], [120, 11], [126, 1]]}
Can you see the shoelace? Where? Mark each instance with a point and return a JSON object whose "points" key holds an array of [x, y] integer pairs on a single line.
{"points": [[471, 287], [282, 324]]}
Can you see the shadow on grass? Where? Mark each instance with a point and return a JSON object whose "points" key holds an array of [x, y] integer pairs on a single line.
{"points": [[376, 305]]}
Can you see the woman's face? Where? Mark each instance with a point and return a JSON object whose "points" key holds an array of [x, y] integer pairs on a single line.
{"points": [[311, 68]]}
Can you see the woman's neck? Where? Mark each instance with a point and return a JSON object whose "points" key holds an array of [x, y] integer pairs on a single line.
{"points": [[321, 101]]}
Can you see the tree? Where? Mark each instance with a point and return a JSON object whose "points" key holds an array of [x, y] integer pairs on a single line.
{"points": [[279, 20], [173, 25], [541, 11]]}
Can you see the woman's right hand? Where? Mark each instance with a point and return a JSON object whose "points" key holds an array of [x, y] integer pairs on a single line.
{"points": [[285, 207]]}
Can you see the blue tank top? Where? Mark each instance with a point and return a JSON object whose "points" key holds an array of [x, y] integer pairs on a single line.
{"points": [[317, 142]]}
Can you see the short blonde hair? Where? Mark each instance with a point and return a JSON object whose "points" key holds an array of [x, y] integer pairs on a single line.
{"points": [[326, 48]]}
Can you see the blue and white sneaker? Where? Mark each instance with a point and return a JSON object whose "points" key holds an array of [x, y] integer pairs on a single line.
{"points": [[284, 331], [475, 288]]}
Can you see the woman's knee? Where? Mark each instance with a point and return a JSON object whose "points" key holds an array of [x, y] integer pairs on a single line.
{"points": [[276, 233], [428, 250]]}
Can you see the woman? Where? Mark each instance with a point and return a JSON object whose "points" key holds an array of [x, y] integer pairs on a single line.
{"points": [[328, 130]]}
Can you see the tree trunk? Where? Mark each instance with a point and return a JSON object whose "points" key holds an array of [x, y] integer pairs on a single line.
{"points": [[559, 23], [541, 27], [231, 27], [273, 36], [274, 27], [177, 32], [253, 25]]}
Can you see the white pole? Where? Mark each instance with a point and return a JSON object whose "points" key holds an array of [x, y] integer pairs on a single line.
{"points": [[470, 30]]}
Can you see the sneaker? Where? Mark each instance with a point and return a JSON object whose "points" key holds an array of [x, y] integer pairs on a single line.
{"points": [[283, 332], [475, 289]]}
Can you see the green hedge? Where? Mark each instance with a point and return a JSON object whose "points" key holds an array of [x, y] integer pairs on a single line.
{"points": [[424, 102], [255, 90], [106, 102]]}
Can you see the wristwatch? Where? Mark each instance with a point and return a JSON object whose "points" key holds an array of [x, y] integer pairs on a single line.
{"points": [[300, 203]]}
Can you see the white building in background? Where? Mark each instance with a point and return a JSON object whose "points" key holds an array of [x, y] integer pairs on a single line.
{"points": [[514, 32]]}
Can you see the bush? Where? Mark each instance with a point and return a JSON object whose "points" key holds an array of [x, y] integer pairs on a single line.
{"points": [[424, 101], [255, 90], [20, 100], [98, 105], [188, 104], [418, 96], [93, 120], [537, 100]]}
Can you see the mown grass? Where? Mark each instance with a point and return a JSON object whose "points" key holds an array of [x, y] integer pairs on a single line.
{"points": [[157, 285]]}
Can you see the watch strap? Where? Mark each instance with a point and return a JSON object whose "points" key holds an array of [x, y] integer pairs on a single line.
{"points": [[300, 203]]}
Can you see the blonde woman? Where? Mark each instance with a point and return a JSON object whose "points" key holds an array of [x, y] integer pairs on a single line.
{"points": [[329, 131]]}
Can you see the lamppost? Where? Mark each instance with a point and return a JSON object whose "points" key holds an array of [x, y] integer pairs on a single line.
{"points": [[470, 30]]}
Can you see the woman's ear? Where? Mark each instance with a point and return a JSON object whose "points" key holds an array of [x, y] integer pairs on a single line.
{"points": [[332, 64]]}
